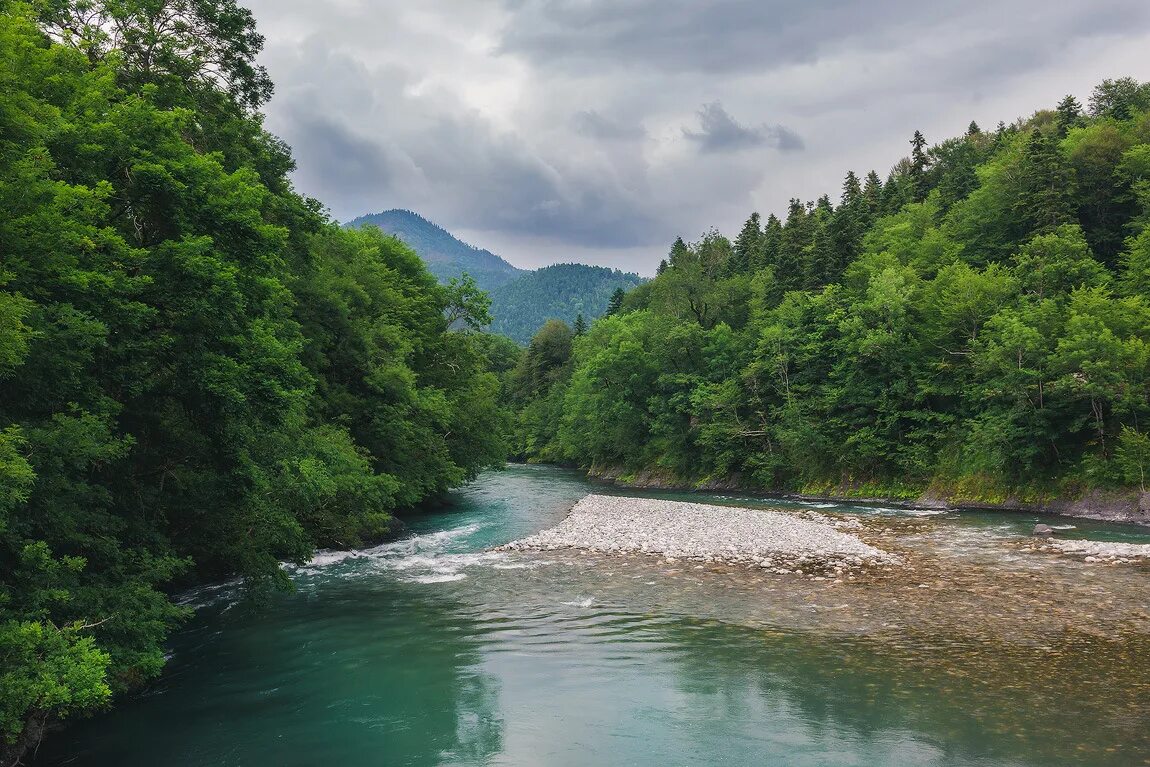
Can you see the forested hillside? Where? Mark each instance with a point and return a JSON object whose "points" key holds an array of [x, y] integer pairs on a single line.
{"points": [[201, 374], [978, 323], [447, 257], [561, 291], [520, 300]]}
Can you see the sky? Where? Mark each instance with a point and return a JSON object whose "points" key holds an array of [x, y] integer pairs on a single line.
{"points": [[598, 131]]}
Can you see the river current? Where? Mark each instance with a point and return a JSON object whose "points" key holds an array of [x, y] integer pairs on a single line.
{"points": [[430, 650]]}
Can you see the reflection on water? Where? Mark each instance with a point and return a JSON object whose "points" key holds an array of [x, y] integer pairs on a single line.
{"points": [[431, 652]]}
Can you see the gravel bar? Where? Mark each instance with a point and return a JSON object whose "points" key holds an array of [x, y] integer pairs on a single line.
{"points": [[1102, 551], [774, 540]]}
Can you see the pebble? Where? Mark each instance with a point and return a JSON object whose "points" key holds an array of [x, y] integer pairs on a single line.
{"points": [[774, 540], [1105, 551]]}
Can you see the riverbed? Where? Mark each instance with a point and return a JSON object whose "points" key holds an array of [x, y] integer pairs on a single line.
{"points": [[978, 648]]}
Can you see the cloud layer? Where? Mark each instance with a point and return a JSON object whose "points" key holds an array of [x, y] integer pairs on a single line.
{"points": [[600, 130]]}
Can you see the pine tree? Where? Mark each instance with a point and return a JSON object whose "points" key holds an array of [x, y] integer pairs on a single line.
{"points": [[580, 324], [1044, 202], [849, 223], [919, 162], [796, 236], [772, 238], [679, 253], [872, 195], [747, 246], [852, 189], [973, 129], [897, 189], [1000, 133], [954, 169], [662, 267], [615, 305], [1069, 115], [820, 261]]}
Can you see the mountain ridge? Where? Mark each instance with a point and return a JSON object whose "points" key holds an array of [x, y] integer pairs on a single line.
{"points": [[521, 299], [446, 255]]}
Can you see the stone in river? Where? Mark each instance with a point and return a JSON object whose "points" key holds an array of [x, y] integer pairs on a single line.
{"points": [[1043, 531]]}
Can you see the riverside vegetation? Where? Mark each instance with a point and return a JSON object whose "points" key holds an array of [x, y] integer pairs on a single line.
{"points": [[201, 374], [975, 327]]}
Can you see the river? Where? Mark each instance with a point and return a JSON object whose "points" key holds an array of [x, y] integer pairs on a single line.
{"points": [[429, 651]]}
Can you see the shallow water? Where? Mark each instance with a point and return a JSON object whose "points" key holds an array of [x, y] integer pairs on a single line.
{"points": [[429, 651]]}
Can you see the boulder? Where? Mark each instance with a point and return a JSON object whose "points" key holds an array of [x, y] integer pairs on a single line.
{"points": [[1043, 531]]}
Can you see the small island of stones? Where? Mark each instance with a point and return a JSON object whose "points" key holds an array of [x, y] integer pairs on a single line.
{"points": [[774, 540]]}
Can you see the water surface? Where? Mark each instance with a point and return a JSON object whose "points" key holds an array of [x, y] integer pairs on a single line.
{"points": [[429, 651]]}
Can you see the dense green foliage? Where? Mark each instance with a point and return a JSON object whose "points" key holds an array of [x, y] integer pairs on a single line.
{"points": [[201, 375], [447, 257], [562, 291], [979, 320]]}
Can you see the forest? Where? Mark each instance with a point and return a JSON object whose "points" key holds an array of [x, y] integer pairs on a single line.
{"points": [[202, 375], [976, 325], [559, 291]]}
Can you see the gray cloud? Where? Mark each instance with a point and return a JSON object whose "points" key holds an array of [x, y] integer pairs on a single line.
{"points": [[594, 125], [719, 132], [571, 129], [738, 36]]}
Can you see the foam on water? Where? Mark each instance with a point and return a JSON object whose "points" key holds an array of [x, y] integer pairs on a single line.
{"points": [[205, 596], [439, 578], [426, 558]]}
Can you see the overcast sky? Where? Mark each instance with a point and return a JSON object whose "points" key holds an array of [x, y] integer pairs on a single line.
{"points": [[600, 130]]}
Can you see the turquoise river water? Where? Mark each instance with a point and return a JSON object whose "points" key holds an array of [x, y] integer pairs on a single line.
{"points": [[430, 650]]}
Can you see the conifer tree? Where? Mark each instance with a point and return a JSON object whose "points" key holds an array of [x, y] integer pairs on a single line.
{"points": [[820, 262], [580, 324], [772, 238], [1069, 115], [918, 165], [973, 129], [1044, 202], [872, 194], [616, 303], [897, 190], [679, 253], [852, 190], [849, 223], [955, 161], [747, 246], [796, 236]]}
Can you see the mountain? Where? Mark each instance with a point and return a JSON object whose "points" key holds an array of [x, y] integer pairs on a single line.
{"points": [[562, 291], [521, 300], [446, 255]]}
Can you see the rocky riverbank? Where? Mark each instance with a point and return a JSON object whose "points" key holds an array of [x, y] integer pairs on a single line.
{"points": [[775, 541]]}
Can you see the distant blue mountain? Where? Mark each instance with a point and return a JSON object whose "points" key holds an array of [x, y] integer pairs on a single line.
{"points": [[521, 300], [446, 256]]}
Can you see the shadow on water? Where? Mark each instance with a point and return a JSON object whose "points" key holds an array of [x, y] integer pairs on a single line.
{"points": [[345, 673]]}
